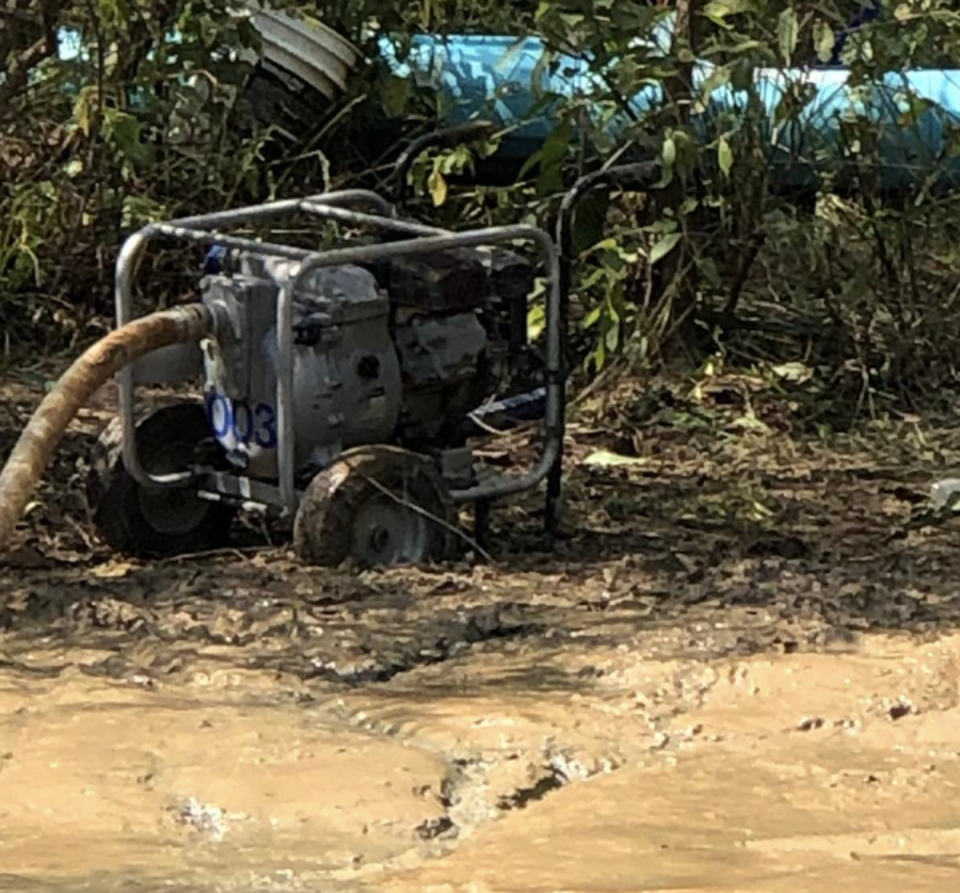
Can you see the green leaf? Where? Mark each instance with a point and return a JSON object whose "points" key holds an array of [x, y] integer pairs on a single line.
{"points": [[724, 155], [719, 77], [613, 316], [824, 41], [536, 321], [600, 355], [612, 338], [395, 95], [125, 131], [669, 152], [438, 187], [455, 161], [718, 10], [788, 32], [668, 157], [137, 211], [593, 317], [82, 112], [663, 225], [663, 247], [553, 153]]}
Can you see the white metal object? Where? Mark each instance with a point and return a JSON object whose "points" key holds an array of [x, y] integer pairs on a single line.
{"points": [[311, 51]]}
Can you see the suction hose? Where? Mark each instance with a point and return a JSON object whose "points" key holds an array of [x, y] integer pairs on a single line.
{"points": [[37, 442]]}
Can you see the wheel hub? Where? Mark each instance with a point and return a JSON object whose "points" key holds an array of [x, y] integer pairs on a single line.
{"points": [[379, 538], [387, 533], [171, 511]]}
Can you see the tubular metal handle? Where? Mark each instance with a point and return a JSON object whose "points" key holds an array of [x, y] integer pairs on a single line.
{"points": [[633, 177], [638, 177]]}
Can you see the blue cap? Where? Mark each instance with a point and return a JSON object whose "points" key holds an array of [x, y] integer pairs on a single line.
{"points": [[213, 262]]}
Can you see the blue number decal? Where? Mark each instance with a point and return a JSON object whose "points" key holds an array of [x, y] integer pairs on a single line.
{"points": [[220, 414], [265, 430], [243, 432], [226, 417]]}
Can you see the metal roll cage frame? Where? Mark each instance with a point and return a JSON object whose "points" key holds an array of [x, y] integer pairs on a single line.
{"points": [[415, 239]]}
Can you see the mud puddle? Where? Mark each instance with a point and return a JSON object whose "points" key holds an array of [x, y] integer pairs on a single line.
{"points": [[737, 672], [108, 788], [796, 773], [515, 766]]}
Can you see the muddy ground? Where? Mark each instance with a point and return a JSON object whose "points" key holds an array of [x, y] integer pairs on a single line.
{"points": [[737, 671]]}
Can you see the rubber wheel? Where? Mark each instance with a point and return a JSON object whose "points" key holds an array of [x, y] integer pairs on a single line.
{"points": [[145, 522], [380, 506]]}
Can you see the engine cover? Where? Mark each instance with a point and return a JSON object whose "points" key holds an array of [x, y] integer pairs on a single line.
{"points": [[436, 351], [441, 282]]}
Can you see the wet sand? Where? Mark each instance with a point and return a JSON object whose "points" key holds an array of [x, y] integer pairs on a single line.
{"points": [[509, 769], [737, 672]]}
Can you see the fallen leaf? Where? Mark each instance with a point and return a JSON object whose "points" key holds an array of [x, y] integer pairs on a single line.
{"points": [[607, 459], [795, 372], [749, 422], [112, 569]]}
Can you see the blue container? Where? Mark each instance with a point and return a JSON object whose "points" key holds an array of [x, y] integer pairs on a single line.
{"points": [[505, 79]]}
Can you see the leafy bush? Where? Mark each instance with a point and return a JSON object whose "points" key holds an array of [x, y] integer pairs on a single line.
{"points": [[764, 244], [113, 116], [756, 229]]}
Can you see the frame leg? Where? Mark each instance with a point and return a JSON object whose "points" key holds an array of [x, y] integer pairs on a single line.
{"points": [[481, 522], [551, 512]]}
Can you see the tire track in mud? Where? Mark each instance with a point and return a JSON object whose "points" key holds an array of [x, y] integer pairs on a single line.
{"points": [[529, 686]]}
